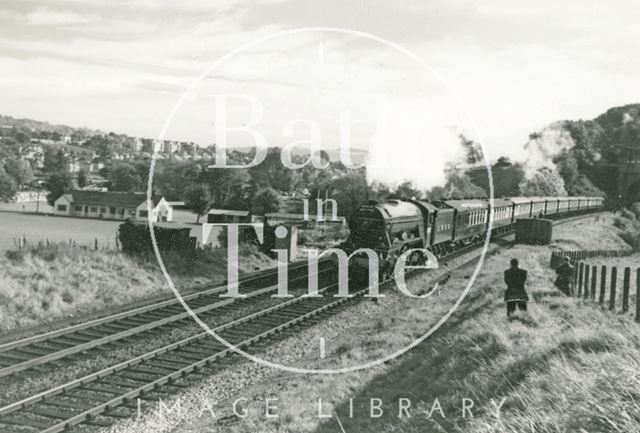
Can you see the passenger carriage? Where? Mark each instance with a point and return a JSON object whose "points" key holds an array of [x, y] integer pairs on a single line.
{"points": [[470, 220], [574, 204], [502, 215], [538, 207], [563, 205], [551, 206], [523, 207]]}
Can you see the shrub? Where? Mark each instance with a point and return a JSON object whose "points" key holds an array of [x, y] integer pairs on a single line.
{"points": [[136, 239], [626, 213]]}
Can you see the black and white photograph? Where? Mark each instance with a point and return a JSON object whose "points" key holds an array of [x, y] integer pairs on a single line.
{"points": [[279, 216]]}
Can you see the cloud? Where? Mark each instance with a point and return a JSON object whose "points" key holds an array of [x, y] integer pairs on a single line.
{"points": [[516, 66], [44, 16]]}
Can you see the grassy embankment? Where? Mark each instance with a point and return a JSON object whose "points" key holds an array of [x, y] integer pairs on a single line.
{"points": [[565, 366], [40, 284]]}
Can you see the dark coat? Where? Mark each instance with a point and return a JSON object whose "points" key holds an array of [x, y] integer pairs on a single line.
{"points": [[565, 276], [515, 279]]}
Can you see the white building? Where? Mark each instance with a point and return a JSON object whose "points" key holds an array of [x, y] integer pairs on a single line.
{"points": [[112, 205]]}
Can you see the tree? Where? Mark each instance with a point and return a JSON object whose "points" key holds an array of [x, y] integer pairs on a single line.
{"points": [[503, 161], [20, 170], [55, 161], [458, 186], [8, 186], [228, 187], [349, 192], [472, 150], [82, 178], [380, 190], [57, 183], [197, 198], [125, 177], [266, 200], [408, 190], [272, 173]]}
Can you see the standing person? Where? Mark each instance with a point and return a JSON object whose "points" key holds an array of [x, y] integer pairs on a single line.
{"points": [[564, 281], [516, 295]]}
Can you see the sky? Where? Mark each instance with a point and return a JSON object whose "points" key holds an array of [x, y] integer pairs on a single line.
{"points": [[495, 70]]}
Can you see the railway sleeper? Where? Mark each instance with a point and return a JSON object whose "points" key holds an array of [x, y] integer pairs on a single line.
{"points": [[116, 381], [166, 365], [172, 359], [25, 422], [116, 327], [133, 322], [15, 355], [198, 352], [151, 368], [187, 355], [51, 414], [93, 386], [92, 333], [35, 350], [77, 393], [138, 376], [63, 403]]}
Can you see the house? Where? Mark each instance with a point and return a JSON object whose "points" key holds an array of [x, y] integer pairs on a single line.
{"points": [[112, 205], [226, 216], [134, 144]]}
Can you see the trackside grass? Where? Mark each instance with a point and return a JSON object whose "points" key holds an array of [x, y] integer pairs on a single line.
{"points": [[564, 366], [40, 283]]}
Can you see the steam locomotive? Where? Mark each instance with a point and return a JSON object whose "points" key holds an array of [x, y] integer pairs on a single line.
{"points": [[392, 227]]}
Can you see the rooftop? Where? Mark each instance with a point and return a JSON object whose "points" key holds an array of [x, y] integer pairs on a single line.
{"points": [[110, 198]]}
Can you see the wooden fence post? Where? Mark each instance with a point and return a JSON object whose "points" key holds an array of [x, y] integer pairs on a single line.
{"points": [[612, 292], [638, 295], [603, 284], [625, 289], [594, 280], [580, 274], [585, 288]]}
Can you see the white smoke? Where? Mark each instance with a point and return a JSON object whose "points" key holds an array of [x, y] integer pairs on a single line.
{"points": [[415, 146], [543, 146]]}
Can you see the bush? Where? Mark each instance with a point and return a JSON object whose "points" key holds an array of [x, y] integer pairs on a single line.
{"points": [[630, 226], [626, 213], [632, 237], [136, 239]]}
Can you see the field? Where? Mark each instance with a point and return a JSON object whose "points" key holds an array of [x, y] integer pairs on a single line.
{"points": [[37, 228], [83, 231], [564, 366]]}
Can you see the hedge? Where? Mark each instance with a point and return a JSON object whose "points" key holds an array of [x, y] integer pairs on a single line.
{"points": [[135, 238]]}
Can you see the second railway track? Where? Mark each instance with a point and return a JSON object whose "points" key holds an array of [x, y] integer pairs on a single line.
{"points": [[21, 355]]}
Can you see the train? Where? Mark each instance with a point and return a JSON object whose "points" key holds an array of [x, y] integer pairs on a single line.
{"points": [[393, 226]]}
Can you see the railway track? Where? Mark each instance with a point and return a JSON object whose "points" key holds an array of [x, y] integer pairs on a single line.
{"points": [[103, 397], [21, 355]]}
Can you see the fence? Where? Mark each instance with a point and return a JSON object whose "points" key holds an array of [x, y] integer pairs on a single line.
{"points": [[599, 283], [558, 256]]}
